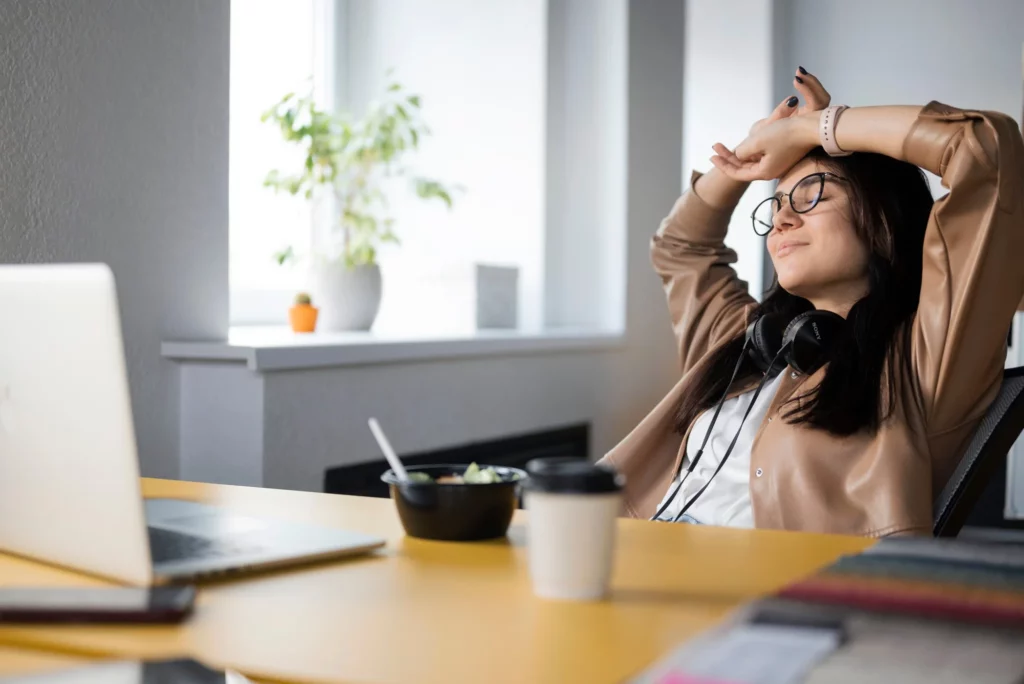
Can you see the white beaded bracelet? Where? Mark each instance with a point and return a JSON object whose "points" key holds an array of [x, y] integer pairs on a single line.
{"points": [[827, 130]]}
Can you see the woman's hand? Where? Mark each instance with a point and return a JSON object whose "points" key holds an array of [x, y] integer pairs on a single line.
{"points": [[778, 142]]}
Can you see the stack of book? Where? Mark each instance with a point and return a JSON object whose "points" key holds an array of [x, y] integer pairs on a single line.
{"points": [[932, 578], [906, 610]]}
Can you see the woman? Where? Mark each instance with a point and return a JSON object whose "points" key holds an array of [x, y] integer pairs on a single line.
{"points": [[912, 302]]}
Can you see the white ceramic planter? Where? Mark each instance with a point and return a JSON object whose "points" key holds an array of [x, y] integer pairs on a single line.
{"points": [[348, 298]]}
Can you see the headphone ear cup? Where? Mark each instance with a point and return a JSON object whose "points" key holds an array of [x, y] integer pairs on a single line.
{"points": [[764, 340], [809, 338]]}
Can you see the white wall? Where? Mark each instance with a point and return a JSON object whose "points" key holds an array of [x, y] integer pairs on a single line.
{"points": [[317, 419], [961, 52], [725, 90], [113, 140]]}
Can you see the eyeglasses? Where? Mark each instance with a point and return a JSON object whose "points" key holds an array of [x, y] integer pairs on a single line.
{"points": [[804, 196]]}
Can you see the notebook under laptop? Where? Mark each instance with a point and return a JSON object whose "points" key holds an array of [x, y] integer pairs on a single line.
{"points": [[69, 476]]}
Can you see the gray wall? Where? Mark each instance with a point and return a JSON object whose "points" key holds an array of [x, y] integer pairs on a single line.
{"points": [[316, 419], [584, 237], [966, 53], [114, 147]]}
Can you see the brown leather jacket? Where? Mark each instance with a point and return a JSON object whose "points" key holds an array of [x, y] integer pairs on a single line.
{"points": [[867, 484]]}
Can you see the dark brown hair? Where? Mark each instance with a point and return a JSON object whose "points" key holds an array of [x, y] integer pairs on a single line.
{"points": [[889, 206]]}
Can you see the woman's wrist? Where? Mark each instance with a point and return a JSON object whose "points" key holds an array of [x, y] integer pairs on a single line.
{"points": [[808, 130], [860, 129], [876, 129]]}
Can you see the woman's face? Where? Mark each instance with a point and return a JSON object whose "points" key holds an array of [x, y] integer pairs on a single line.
{"points": [[817, 254]]}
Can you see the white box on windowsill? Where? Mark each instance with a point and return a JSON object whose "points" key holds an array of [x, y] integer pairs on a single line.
{"points": [[451, 298], [497, 297]]}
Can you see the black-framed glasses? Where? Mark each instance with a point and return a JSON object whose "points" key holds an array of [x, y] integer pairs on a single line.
{"points": [[804, 196]]}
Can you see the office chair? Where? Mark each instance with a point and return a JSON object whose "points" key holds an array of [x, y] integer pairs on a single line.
{"points": [[987, 451]]}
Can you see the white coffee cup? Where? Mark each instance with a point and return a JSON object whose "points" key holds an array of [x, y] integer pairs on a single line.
{"points": [[573, 506]]}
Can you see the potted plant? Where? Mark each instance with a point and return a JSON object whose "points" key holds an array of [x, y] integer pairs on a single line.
{"points": [[303, 314], [351, 160]]}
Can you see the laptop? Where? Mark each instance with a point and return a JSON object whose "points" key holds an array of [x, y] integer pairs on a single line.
{"points": [[70, 492]]}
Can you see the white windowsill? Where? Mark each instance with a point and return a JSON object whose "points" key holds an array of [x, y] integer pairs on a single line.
{"points": [[278, 349]]}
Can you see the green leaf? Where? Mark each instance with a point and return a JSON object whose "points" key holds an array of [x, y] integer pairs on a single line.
{"points": [[389, 237], [352, 158], [285, 256], [429, 189]]}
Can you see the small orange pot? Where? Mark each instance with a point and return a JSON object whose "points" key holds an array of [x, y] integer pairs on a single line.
{"points": [[303, 318]]}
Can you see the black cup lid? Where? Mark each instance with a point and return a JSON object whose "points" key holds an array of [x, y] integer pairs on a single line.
{"points": [[571, 476]]}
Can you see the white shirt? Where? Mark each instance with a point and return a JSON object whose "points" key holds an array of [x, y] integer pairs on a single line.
{"points": [[727, 500]]}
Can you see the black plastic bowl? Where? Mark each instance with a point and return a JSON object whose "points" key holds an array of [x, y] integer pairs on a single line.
{"points": [[455, 512]]}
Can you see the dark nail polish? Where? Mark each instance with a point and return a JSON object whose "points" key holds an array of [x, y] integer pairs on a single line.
{"points": [[791, 102], [802, 70], [798, 79]]}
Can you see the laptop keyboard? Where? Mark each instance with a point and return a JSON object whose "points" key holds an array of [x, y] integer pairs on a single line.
{"points": [[167, 545]]}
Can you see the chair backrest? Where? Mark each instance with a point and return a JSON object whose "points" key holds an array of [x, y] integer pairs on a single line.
{"points": [[992, 441]]}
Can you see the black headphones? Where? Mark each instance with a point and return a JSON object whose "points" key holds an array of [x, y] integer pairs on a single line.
{"points": [[803, 343]]}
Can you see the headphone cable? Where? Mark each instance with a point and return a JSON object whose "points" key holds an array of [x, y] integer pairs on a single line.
{"points": [[732, 444], [707, 435]]}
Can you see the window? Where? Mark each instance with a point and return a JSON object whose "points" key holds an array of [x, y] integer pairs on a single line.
{"points": [[273, 51], [480, 68]]}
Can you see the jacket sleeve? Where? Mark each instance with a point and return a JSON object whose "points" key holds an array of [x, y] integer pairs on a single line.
{"points": [[973, 275], [707, 301]]}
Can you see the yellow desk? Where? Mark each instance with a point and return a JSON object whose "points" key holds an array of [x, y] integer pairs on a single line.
{"points": [[17, 661], [421, 611]]}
